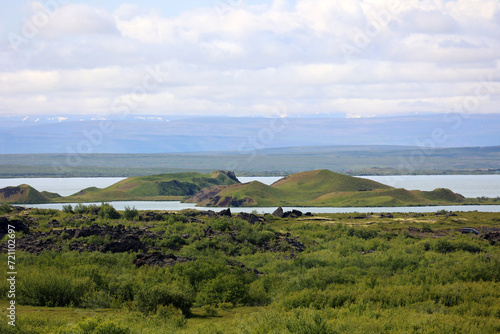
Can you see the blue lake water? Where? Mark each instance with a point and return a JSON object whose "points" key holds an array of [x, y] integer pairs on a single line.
{"points": [[467, 185]]}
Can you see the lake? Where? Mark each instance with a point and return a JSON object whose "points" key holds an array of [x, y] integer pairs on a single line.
{"points": [[467, 185]]}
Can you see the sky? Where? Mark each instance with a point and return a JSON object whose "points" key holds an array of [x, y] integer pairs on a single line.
{"points": [[357, 58]]}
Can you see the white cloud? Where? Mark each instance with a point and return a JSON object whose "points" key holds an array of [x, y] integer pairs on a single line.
{"points": [[75, 19], [412, 56]]}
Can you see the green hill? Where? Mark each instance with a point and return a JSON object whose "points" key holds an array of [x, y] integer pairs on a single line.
{"points": [[244, 194], [325, 181], [155, 187], [321, 188], [25, 194]]}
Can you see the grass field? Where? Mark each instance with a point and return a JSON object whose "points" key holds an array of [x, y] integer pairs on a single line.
{"points": [[327, 273]]}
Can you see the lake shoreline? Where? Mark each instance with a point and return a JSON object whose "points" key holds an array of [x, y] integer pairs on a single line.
{"points": [[178, 206]]}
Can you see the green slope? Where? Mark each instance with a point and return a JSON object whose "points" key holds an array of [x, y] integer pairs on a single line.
{"points": [[25, 194], [325, 181], [321, 188], [155, 187], [441, 194]]}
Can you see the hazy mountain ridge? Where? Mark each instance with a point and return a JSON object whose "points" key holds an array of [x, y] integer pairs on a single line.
{"points": [[240, 134]]}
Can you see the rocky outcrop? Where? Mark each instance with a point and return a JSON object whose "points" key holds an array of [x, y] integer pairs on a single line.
{"points": [[122, 239], [54, 223], [225, 213], [18, 225], [249, 217], [22, 194], [159, 259], [213, 197], [492, 236], [233, 264], [129, 243], [288, 214], [278, 212]]}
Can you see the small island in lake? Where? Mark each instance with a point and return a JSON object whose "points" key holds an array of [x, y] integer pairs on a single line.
{"points": [[317, 188]]}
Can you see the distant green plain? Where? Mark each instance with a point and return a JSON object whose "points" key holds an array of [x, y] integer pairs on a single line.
{"points": [[355, 160]]}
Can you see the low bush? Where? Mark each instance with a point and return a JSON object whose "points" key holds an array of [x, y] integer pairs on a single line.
{"points": [[98, 325], [6, 208], [106, 211], [52, 288], [131, 213], [225, 288], [149, 297]]}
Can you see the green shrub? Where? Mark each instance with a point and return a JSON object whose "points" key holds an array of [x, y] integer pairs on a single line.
{"points": [[167, 311], [301, 321], [123, 287], [225, 306], [106, 211], [220, 224], [149, 297], [131, 213], [210, 311], [6, 208], [311, 298], [442, 246], [225, 288], [198, 272], [97, 325], [97, 299], [67, 208], [307, 322], [52, 288]]}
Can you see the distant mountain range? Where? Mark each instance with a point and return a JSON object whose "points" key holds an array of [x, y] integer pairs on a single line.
{"points": [[179, 134]]}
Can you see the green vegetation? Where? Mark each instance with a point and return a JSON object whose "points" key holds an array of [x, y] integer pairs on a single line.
{"points": [[164, 187], [328, 273], [324, 188], [25, 194], [313, 188], [155, 187]]}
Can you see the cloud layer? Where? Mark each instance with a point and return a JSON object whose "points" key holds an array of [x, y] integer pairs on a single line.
{"points": [[360, 58]]}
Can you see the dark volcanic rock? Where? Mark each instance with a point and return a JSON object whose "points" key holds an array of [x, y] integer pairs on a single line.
{"points": [[492, 237], [278, 212], [209, 232], [130, 243], [249, 217], [159, 259], [225, 213], [123, 239], [19, 226], [210, 213], [231, 175], [292, 214], [54, 223], [288, 214], [236, 264]]}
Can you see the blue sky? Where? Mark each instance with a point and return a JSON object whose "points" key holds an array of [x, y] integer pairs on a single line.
{"points": [[359, 58]]}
